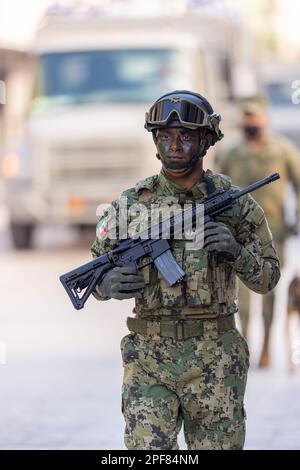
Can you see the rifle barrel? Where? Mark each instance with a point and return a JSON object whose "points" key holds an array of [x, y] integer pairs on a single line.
{"points": [[258, 184]]}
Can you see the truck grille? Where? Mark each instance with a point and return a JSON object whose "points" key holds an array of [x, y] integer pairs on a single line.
{"points": [[93, 162]]}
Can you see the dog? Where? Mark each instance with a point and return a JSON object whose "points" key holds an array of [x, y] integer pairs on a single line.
{"points": [[293, 307]]}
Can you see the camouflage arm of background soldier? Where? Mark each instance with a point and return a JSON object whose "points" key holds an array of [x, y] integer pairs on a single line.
{"points": [[223, 162], [292, 161], [257, 265]]}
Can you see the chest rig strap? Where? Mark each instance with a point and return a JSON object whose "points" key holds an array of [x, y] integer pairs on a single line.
{"points": [[210, 185]]}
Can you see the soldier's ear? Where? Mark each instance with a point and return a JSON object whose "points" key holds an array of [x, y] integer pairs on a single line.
{"points": [[206, 140]]}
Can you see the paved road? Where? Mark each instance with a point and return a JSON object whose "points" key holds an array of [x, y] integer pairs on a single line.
{"points": [[60, 386]]}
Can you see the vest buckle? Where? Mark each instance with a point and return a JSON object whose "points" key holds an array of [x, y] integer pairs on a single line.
{"points": [[179, 330]]}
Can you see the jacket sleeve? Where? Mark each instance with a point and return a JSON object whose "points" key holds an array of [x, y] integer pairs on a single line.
{"points": [[106, 237], [258, 265]]}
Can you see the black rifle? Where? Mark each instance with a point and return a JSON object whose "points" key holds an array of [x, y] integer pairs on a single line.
{"points": [[145, 250]]}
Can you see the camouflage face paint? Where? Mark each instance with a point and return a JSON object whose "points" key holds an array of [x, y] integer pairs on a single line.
{"points": [[177, 146]]}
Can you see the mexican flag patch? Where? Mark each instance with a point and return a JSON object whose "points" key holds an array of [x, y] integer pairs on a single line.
{"points": [[102, 228]]}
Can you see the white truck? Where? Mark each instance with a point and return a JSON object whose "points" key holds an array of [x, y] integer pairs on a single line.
{"points": [[280, 82], [75, 135]]}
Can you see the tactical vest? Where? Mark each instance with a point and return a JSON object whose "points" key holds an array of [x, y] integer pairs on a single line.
{"points": [[209, 288]]}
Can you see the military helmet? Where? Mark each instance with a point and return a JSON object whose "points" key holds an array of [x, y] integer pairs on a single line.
{"points": [[186, 109], [255, 105]]}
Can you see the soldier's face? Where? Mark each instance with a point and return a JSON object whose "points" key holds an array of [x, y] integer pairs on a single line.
{"points": [[254, 125], [177, 146]]}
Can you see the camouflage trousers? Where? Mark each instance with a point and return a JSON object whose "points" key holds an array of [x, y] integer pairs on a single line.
{"points": [[199, 382]]}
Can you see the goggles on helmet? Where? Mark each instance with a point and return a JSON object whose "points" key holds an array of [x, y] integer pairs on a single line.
{"points": [[189, 114]]}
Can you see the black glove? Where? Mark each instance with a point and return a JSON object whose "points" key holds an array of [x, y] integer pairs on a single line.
{"points": [[218, 238], [122, 283]]}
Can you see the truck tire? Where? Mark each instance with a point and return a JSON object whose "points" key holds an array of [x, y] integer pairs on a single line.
{"points": [[21, 235]]}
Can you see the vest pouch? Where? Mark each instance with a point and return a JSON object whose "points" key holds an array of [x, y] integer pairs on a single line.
{"points": [[220, 282], [198, 290], [150, 298], [231, 285], [172, 296], [224, 281]]}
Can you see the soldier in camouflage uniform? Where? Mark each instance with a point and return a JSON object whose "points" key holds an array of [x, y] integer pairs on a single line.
{"points": [[257, 156], [184, 360]]}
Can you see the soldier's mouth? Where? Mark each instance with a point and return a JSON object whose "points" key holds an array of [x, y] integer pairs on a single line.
{"points": [[175, 157]]}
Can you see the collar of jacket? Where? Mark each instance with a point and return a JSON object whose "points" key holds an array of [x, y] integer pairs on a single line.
{"points": [[198, 191]]}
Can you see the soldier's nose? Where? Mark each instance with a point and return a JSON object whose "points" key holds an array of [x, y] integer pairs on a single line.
{"points": [[176, 143]]}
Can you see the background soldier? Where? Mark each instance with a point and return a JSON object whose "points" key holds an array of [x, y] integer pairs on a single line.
{"points": [[258, 155], [184, 360]]}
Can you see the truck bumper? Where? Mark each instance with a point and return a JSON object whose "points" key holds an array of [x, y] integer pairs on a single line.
{"points": [[28, 206]]}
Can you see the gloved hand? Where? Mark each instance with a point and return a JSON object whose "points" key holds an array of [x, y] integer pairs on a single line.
{"points": [[122, 283], [219, 238]]}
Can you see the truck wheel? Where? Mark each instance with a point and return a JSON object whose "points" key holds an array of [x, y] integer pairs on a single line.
{"points": [[21, 235]]}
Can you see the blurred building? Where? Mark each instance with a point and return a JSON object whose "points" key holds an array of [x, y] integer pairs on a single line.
{"points": [[74, 135]]}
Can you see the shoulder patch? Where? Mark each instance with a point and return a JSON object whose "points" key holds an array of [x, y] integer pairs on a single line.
{"points": [[102, 228], [107, 223]]}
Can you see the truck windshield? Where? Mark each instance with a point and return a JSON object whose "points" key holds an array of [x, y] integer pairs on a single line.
{"points": [[280, 93], [116, 75]]}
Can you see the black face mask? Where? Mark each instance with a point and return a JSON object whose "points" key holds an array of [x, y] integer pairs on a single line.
{"points": [[251, 131]]}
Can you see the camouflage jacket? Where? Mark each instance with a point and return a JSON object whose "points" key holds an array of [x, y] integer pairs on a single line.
{"points": [[209, 288], [246, 165]]}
